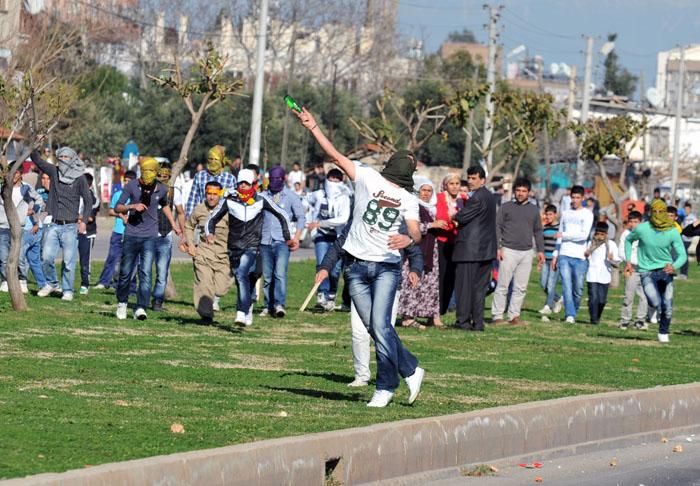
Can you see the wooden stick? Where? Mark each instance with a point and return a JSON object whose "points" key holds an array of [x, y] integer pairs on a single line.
{"points": [[308, 297]]}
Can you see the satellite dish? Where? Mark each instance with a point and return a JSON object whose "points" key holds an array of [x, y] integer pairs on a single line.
{"points": [[554, 68], [565, 69], [653, 97], [518, 50], [607, 48]]}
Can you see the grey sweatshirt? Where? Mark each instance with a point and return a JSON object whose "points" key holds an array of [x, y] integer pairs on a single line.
{"points": [[517, 225]]}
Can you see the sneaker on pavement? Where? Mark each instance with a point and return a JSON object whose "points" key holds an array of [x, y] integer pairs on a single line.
{"points": [[121, 311], [140, 314], [380, 399], [83, 290], [215, 305], [99, 286], [641, 326], [240, 317], [624, 325], [558, 304], [279, 311], [265, 312], [571, 320], [47, 290], [663, 338], [545, 311], [357, 382], [68, 296], [414, 382], [23, 286]]}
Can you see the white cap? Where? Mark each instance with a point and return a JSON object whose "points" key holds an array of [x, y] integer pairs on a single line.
{"points": [[246, 175]]}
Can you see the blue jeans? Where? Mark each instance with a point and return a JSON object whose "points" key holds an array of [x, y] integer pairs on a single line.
{"points": [[658, 287], [164, 251], [275, 259], [30, 257], [4, 251], [372, 289], [60, 237], [573, 274], [138, 253], [548, 282], [328, 287], [113, 255], [242, 267]]}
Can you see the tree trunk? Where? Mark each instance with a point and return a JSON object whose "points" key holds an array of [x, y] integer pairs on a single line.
{"points": [[517, 166], [187, 143], [11, 266]]}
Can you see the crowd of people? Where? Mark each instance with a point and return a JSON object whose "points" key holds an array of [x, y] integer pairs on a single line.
{"points": [[407, 253]]}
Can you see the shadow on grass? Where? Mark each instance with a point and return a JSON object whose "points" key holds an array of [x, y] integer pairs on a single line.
{"points": [[327, 395], [688, 332], [629, 337], [326, 376], [195, 321]]}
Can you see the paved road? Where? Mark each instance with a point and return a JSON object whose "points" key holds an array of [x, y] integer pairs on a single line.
{"points": [[104, 231], [646, 464]]}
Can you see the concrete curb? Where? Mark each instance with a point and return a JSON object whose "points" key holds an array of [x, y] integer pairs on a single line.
{"points": [[395, 449]]}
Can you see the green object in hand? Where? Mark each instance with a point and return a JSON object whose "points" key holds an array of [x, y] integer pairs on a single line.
{"points": [[293, 105]]}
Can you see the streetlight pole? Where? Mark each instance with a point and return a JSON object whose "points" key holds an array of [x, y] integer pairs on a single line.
{"points": [[256, 121]]}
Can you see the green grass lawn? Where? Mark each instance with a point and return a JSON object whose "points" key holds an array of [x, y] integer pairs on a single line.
{"points": [[78, 387]]}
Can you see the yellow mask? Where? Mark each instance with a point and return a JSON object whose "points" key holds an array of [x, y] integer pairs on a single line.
{"points": [[216, 159], [149, 170]]}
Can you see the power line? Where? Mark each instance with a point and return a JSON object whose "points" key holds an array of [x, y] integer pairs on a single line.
{"points": [[543, 31], [537, 47]]}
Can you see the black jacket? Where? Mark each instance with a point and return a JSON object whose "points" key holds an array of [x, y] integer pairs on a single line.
{"points": [[476, 237]]}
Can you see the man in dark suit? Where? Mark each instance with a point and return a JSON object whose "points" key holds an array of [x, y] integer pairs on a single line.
{"points": [[474, 251]]}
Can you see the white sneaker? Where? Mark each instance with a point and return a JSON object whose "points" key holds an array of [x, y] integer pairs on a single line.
{"points": [[4, 287], [654, 318], [99, 286], [357, 382], [84, 290], [545, 311], [570, 320], [265, 312], [329, 306], [23, 286], [320, 299], [215, 305], [121, 311], [67, 296], [279, 311], [47, 290], [380, 399], [249, 315], [663, 338], [414, 382], [558, 304], [240, 318], [140, 314]]}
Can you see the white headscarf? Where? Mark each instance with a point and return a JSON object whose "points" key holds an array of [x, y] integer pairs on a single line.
{"points": [[431, 206]]}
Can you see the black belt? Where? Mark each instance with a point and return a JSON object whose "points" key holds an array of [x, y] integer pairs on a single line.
{"points": [[64, 221]]}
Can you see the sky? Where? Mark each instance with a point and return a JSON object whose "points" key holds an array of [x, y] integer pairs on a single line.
{"points": [[555, 29]]}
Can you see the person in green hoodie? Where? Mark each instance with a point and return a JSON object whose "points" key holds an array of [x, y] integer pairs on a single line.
{"points": [[658, 238]]}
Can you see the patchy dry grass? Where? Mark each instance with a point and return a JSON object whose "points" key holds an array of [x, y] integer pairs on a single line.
{"points": [[79, 387]]}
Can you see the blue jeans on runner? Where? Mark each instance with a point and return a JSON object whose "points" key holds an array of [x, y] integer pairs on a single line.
{"points": [[138, 253], [275, 259], [658, 287], [112, 261], [164, 251], [372, 289], [548, 282], [4, 251], [57, 237], [30, 257], [573, 274], [241, 267], [328, 287]]}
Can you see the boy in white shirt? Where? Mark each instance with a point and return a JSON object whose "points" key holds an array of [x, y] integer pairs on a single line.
{"points": [[633, 282], [602, 255]]}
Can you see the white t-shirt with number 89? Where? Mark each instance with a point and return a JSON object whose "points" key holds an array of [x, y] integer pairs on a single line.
{"points": [[380, 208]]}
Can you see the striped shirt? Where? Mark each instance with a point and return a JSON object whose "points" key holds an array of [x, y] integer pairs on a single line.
{"points": [[550, 239], [226, 179]]}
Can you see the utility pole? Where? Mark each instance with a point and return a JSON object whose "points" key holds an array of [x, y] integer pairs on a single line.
{"points": [[331, 116], [643, 109], [290, 77], [677, 128], [545, 134], [587, 78], [256, 120], [491, 80], [467, 154]]}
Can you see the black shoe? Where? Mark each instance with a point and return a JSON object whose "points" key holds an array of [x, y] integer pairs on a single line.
{"points": [[466, 326], [157, 306], [279, 311], [207, 320]]}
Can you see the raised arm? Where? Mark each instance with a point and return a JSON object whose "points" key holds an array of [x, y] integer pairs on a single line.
{"points": [[336, 157], [43, 166]]}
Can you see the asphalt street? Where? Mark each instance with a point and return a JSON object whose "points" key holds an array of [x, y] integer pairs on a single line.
{"points": [[644, 464]]}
